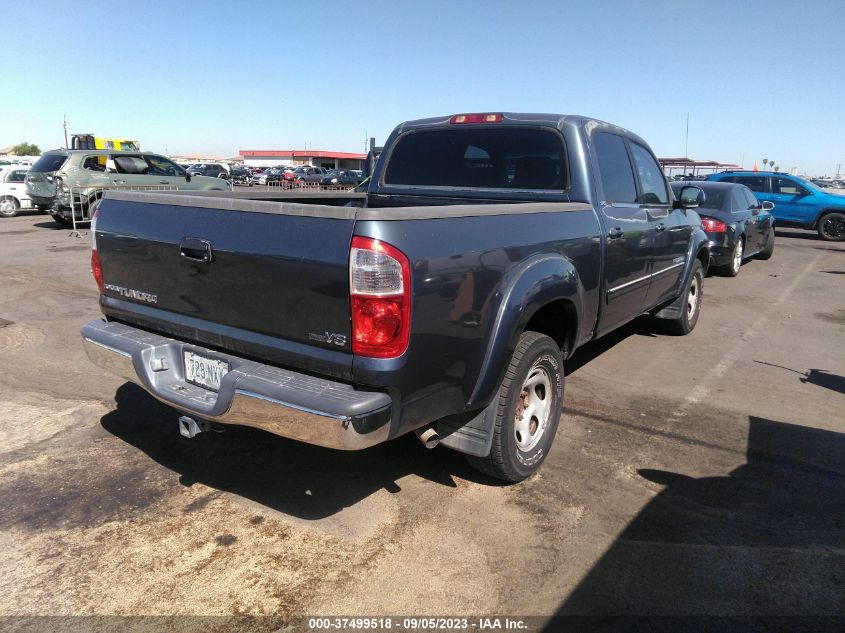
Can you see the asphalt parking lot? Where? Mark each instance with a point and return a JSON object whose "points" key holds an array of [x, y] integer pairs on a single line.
{"points": [[699, 475]]}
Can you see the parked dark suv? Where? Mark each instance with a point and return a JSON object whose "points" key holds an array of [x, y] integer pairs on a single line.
{"points": [[213, 170]]}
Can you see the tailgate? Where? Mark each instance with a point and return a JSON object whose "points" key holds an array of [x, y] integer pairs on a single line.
{"points": [[269, 280]]}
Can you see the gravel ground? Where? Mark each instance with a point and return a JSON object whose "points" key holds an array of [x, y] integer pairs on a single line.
{"points": [[702, 475]]}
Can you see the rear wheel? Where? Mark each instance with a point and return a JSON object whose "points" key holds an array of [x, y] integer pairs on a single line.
{"points": [[689, 304], [732, 269], [528, 410], [9, 207], [832, 227], [766, 253], [61, 220]]}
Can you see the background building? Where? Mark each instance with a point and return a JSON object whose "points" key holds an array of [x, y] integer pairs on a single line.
{"points": [[313, 157]]}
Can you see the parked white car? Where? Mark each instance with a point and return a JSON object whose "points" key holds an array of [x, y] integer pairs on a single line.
{"points": [[13, 196]]}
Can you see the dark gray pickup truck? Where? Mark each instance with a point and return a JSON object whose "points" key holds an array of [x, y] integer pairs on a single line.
{"points": [[444, 300]]}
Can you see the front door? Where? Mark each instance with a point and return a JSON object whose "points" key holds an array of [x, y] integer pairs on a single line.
{"points": [[792, 200], [629, 234], [672, 228]]}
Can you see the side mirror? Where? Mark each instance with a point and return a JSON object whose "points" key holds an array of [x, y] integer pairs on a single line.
{"points": [[187, 176], [690, 198], [768, 206]]}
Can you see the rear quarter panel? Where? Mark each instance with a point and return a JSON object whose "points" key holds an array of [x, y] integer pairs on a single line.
{"points": [[462, 270]]}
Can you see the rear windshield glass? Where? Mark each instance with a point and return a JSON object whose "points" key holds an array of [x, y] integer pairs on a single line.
{"points": [[490, 157], [49, 162]]}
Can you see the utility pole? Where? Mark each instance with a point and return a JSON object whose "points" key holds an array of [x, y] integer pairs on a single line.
{"points": [[838, 168], [686, 143], [64, 125]]}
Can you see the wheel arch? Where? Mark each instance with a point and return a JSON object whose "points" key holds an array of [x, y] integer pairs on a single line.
{"points": [[824, 212], [539, 292]]}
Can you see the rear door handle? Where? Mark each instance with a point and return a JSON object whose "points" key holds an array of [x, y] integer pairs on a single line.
{"points": [[659, 227], [196, 249], [615, 233], [164, 182]]}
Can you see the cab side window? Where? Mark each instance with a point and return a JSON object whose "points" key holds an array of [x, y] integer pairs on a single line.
{"points": [[755, 183], [787, 187], [750, 200], [160, 166], [17, 176], [617, 176], [94, 163], [739, 203], [652, 182]]}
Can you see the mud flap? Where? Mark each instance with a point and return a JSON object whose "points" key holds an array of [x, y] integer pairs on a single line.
{"points": [[470, 433], [673, 310]]}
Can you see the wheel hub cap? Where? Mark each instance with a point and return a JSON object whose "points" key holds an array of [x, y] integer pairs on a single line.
{"points": [[692, 298], [834, 227], [533, 409]]}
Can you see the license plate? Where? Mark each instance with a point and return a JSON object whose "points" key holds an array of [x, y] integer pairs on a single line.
{"points": [[205, 372]]}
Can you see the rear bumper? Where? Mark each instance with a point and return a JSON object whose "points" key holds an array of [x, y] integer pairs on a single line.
{"points": [[721, 248], [283, 402]]}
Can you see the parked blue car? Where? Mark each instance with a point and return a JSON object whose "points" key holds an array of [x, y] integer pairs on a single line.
{"points": [[798, 202]]}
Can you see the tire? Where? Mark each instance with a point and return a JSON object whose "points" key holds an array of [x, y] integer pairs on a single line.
{"points": [[535, 373], [62, 221], [9, 207], [831, 227], [732, 269], [690, 304], [769, 249]]}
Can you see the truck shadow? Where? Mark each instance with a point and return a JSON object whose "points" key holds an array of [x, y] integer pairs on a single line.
{"points": [[298, 479], [764, 540]]}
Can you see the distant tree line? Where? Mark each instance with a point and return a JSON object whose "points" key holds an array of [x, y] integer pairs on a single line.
{"points": [[26, 149]]}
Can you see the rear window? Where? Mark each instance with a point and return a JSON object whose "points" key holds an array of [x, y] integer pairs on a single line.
{"points": [[49, 162], [488, 157]]}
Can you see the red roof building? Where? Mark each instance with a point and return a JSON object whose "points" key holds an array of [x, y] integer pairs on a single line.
{"points": [[315, 157]]}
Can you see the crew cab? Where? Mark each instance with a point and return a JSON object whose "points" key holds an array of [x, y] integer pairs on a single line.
{"points": [[444, 300]]}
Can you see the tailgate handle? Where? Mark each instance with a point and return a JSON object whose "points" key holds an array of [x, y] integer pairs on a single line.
{"points": [[196, 249]]}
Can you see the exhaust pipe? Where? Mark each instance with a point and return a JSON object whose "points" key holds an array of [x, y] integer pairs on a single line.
{"points": [[428, 436]]}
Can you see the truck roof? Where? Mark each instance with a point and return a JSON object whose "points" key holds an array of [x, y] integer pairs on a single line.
{"points": [[557, 121]]}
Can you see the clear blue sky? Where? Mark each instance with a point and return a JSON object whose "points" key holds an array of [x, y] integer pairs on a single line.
{"points": [[759, 79]]}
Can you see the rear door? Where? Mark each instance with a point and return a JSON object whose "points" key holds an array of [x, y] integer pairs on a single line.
{"points": [[747, 210], [629, 237], [672, 229]]}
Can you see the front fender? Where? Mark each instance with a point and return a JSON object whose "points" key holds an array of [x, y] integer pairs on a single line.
{"points": [[536, 282], [699, 250]]}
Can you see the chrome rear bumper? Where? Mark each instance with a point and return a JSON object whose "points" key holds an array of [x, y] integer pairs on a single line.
{"points": [[283, 402]]}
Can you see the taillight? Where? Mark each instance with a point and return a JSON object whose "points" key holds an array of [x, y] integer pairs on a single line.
{"points": [[476, 118], [96, 269], [712, 225], [380, 298]]}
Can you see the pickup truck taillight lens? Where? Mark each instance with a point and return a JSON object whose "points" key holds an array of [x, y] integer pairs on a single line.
{"points": [[711, 225], [380, 298], [96, 269]]}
